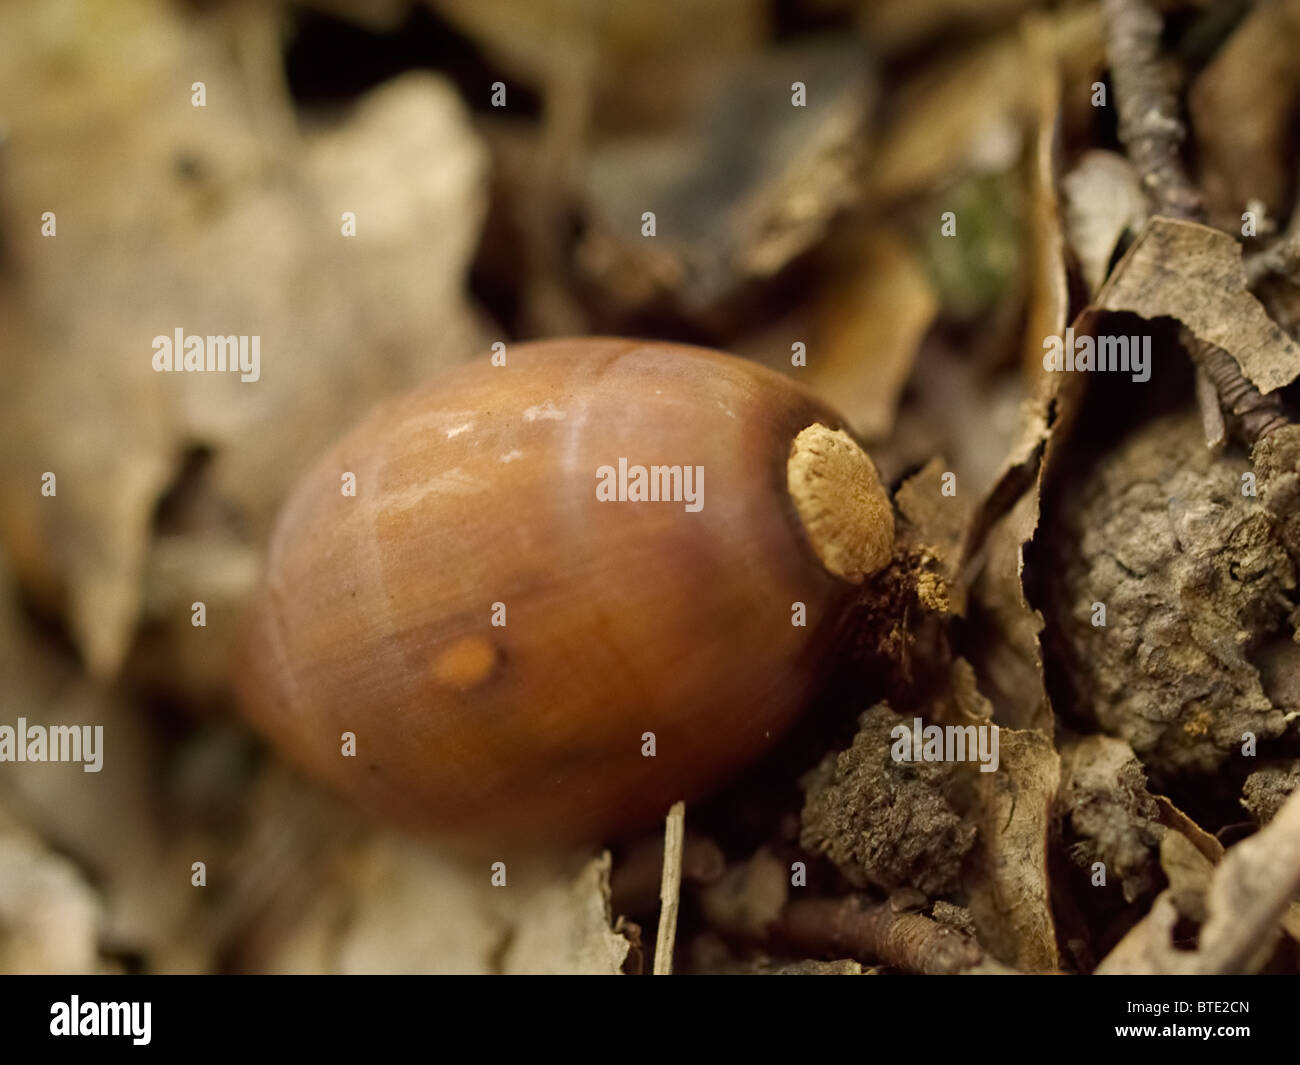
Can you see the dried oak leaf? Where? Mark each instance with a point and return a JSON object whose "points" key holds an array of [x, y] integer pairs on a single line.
{"points": [[109, 822], [747, 182], [227, 226], [385, 903], [867, 327], [1193, 273]]}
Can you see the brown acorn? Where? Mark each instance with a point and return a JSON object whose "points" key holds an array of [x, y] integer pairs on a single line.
{"points": [[564, 593]]}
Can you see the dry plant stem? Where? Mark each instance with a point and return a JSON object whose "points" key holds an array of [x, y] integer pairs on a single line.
{"points": [[638, 872], [1281, 259], [670, 889], [1257, 414], [1152, 133], [1149, 126], [852, 927]]}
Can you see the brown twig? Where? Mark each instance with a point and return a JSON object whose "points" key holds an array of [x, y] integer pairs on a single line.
{"points": [[852, 927], [1149, 126], [1153, 133], [1257, 414]]}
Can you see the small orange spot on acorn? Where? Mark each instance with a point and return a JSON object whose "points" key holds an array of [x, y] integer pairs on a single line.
{"points": [[465, 663]]}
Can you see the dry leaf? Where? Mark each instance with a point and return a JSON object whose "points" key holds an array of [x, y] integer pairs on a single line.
{"points": [[226, 233], [567, 927], [1242, 108], [1009, 898], [748, 183], [867, 326], [1103, 201], [49, 914], [1247, 899], [959, 114], [1193, 273]]}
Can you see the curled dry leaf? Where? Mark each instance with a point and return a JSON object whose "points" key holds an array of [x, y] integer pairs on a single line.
{"points": [[936, 526], [1193, 273], [867, 327], [1247, 898], [387, 904], [1103, 201], [566, 926]]}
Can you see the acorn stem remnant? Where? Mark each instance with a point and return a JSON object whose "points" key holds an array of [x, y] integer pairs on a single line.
{"points": [[842, 504]]}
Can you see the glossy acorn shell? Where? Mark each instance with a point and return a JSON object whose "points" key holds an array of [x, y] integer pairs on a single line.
{"points": [[622, 618]]}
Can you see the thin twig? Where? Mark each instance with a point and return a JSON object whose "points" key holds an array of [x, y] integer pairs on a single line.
{"points": [[1153, 133], [1257, 414], [1149, 125], [852, 927], [670, 889]]}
